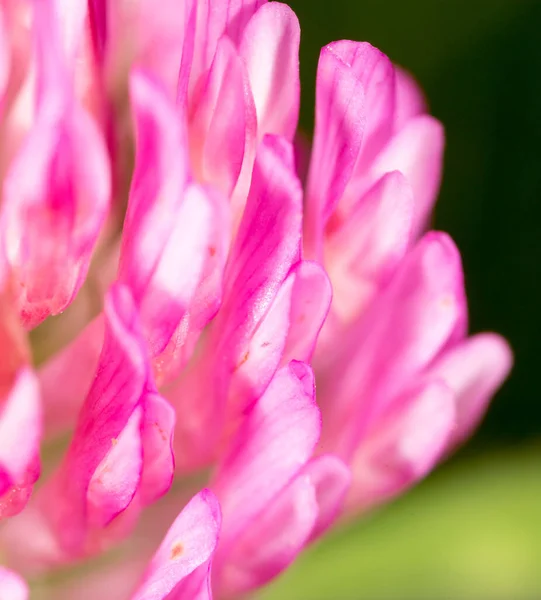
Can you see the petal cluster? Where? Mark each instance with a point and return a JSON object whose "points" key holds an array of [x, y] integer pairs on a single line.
{"points": [[170, 296]]}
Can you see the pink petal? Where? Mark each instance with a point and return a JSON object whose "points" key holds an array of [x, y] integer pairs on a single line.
{"points": [[270, 48], [410, 101], [331, 479], [221, 124], [310, 302], [56, 192], [377, 76], [164, 214], [364, 252], [416, 151], [420, 313], [474, 370], [404, 446], [157, 438], [256, 467], [20, 436], [12, 587], [271, 543], [189, 544], [106, 431], [339, 127]]}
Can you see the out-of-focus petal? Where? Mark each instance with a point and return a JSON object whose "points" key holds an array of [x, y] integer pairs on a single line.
{"points": [[189, 544], [221, 126], [270, 48], [338, 133], [363, 253], [474, 370], [12, 587], [421, 312], [20, 436], [410, 100], [416, 151], [404, 446], [256, 468]]}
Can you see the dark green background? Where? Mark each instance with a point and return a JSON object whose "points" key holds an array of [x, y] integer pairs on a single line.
{"points": [[473, 529]]}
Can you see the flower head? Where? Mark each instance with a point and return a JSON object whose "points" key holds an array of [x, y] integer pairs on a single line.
{"points": [[176, 282]]}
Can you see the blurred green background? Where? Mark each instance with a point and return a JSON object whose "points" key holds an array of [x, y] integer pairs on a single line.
{"points": [[473, 529]]}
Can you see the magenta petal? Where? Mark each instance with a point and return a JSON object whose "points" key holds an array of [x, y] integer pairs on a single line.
{"points": [[404, 445], [157, 438], [256, 468], [416, 151], [272, 542], [339, 128], [221, 125], [474, 370], [310, 302], [12, 587], [364, 252], [331, 479], [410, 101], [20, 436], [270, 48], [189, 544], [167, 228]]}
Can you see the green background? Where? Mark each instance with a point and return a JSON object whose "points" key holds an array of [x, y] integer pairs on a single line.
{"points": [[473, 529]]}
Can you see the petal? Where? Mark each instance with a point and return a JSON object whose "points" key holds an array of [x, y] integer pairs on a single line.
{"points": [[189, 543], [331, 479], [20, 436], [56, 197], [108, 412], [410, 101], [311, 299], [164, 215], [256, 468], [12, 587], [404, 446], [271, 543], [338, 133], [221, 123], [417, 151], [363, 253], [157, 437], [270, 48], [474, 370], [420, 313]]}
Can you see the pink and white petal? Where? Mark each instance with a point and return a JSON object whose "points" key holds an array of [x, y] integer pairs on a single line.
{"points": [[20, 437], [410, 100], [474, 369], [404, 445], [12, 587], [189, 544], [270, 544], [363, 253], [56, 197], [376, 74], [65, 379], [157, 436], [116, 392], [311, 299], [338, 133], [115, 480], [331, 479], [270, 48], [421, 313], [256, 468], [417, 151], [220, 122]]}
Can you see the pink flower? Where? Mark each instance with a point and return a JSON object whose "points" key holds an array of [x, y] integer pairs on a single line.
{"points": [[155, 236]]}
